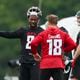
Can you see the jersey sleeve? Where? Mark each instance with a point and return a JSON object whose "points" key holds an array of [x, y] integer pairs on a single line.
{"points": [[78, 37], [34, 44], [11, 34], [70, 44]]}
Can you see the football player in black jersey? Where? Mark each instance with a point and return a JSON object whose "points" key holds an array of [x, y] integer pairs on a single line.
{"points": [[67, 56], [29, 69], [76, 69]]}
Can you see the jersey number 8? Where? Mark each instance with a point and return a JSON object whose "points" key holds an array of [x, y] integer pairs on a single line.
{"points": [[29, 39]]}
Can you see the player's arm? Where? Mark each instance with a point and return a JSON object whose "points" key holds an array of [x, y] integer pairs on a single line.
{"points": [[70, 44], [34, 44], [77, 52], [10, 34]]}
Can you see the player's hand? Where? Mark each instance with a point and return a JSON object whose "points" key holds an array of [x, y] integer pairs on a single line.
{"points": [[67, 62], [73, 63], [37, 57]]}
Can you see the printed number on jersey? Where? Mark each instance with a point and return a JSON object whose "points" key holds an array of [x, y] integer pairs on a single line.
{"points": [[55, 46], [29, 39]]}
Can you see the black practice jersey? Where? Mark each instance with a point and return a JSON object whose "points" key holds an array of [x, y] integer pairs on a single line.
{"points": [[69, 55], [25, 36]]}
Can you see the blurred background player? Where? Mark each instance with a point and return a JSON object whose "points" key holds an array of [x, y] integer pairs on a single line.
{"points": [[67, 56], [71, 24], [54, 43], [29, 69], [76, 69]]}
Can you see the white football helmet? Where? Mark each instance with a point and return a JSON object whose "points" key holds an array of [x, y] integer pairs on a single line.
{"points": [[34, 11]]}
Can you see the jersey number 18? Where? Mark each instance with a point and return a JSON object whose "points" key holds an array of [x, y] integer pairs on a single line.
{"points": [[55, 46]]}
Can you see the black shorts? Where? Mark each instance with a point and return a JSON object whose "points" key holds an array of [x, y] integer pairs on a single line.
{"points": [[29, 71], [67, 72], [57, 74], [76, 69]]}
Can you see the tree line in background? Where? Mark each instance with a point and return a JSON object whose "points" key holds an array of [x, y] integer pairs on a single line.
{"points": [[13, 16]]}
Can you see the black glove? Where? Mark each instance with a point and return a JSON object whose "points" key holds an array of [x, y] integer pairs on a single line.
{"points": [[14, 63]]}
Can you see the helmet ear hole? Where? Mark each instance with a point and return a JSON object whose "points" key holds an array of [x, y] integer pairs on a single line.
{"points": [[35, 10]]}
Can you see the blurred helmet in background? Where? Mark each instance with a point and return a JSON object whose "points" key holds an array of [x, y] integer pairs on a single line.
{"points": [[78, 14], [78, 17]]}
